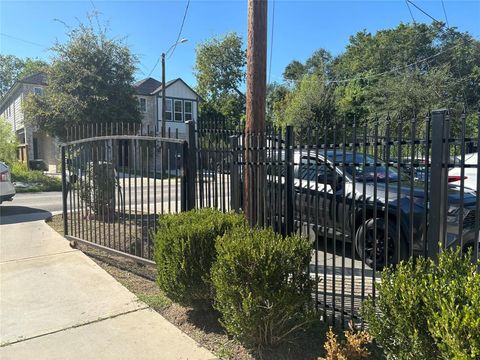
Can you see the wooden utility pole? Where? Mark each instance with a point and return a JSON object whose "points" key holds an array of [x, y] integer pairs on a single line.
{"points": [[255, 108]]}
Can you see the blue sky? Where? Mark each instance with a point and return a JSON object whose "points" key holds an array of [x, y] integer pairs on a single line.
{"points": [[28, 28]]}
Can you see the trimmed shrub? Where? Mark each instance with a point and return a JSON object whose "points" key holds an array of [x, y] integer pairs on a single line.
{"points": [[97, 188], [428, 311], [452, 301], [185, 251], [261, 288]]}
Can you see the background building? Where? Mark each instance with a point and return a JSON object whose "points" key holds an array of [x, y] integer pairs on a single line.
{"points": [[181, 106]]}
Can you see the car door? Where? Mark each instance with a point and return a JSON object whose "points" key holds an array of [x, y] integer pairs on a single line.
{"points": [[313, 192]]}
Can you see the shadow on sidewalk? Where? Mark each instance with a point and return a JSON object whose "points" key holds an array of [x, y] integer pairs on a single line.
{"points": [[19, 214]]}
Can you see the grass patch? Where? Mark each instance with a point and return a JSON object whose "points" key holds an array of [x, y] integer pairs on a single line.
{"points": [[157, 301]]}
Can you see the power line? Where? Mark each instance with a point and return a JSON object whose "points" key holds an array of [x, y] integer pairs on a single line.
{"points": [[151, 71], [423, 11], [445, 13], [410, 11], [24, 40], [181, 28], [271, 41], [395, 69]]}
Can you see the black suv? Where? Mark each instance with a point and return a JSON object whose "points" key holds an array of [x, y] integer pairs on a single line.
{"points": [[337, 196]]}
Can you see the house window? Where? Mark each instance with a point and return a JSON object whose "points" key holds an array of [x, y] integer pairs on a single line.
{"points": [[168, 109], [188, 110], [143, 105], [178, 110], [38, 91]]}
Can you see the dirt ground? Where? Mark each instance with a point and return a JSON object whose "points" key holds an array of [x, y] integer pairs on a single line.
{"points": [[200, 324]]}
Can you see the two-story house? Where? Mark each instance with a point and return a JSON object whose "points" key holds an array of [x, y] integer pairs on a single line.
{"points": [[32, 143], [181, 106]]}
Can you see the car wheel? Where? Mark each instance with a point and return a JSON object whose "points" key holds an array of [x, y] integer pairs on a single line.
{"points": [[374, 252]]}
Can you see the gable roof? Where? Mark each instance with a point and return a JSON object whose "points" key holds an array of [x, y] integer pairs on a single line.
{"points": [[146, 86], [151, 86], [171, 82], [38, 78]]}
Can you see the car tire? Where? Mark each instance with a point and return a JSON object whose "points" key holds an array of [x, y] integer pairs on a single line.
{"points": [[365, 234]]}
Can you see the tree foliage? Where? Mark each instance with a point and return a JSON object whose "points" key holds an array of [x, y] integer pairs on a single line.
{"points": [[311, 105], [8, 142], [13, 68], [409, 69], [89, 81], [294, 71], [220, 72]]}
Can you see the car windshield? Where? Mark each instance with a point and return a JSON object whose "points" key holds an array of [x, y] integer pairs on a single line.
{"points": [[355, 167]]}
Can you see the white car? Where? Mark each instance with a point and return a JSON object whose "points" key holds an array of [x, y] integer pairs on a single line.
{"points": [[470, 174], [7, 190]]}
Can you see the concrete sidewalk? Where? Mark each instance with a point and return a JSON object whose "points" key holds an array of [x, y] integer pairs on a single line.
{"points": [[56, 303]]}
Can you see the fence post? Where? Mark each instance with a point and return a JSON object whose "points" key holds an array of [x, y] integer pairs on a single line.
{"points": [[438, 169], [289, 158], [235, 187], [64, 191], [189, 168]]}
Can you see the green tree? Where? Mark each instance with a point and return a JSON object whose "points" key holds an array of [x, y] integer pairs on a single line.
{"points": [[411, 68], [294, 71], [32, 66], [311, 105], [89, 81], [319, 63], [277, 97], [220, 72], [13, 68], [8, 142]]}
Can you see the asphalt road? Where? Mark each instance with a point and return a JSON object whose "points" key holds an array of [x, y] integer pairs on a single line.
{"points": [[44, 204], [28, 202]]}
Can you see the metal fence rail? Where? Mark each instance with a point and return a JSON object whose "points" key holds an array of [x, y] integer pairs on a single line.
{"points": [[117, 180], [367, 194]]}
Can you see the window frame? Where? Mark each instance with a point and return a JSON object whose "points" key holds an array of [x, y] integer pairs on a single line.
{"points": [[185, 113], [175, 112], [40, 91], [168, 112], [144, 100]]}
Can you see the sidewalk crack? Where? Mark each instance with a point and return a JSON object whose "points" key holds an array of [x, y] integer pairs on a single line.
{"points": [[73, 327]]}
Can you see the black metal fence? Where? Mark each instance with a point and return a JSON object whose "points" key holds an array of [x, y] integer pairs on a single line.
{"points": [[367, 194], [118, 179]]}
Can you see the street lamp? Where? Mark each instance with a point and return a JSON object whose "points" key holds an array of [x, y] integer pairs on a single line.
{"points": [[181, 41]]}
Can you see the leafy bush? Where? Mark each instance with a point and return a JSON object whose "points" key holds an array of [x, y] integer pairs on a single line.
{"points": [[185, 251], [452, 302], [36, 180], [261, 287], [8, 142], [97, 188], [428, 311]]}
